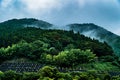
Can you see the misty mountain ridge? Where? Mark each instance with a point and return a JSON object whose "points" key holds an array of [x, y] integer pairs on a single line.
{"points": [[99, 33], [26, 22], [90, 30], [93, 31]]}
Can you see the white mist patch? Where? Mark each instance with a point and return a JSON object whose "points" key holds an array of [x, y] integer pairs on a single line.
{"points": [[31, 26], [67, 28], [37, 26], [92, 34]]}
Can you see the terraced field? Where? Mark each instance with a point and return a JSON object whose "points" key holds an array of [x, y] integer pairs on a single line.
{"points": [[21, 67], [34, 67]]}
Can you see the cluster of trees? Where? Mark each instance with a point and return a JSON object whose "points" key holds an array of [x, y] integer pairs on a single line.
{"points": [[23, 49], [41, 52], [51, 73], [54, 47], [74, 57], [55, 38]]}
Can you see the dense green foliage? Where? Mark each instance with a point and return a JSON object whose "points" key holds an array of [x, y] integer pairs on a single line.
{"points": [[99, 33], [46, 45], [58, 39], [59, 48], [51, 73], [10, 26], [74, 57]]}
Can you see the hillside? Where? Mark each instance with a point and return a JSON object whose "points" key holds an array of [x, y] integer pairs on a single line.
{"points": [[59, 48], [28, 49], [12, 24], [99, 33]]}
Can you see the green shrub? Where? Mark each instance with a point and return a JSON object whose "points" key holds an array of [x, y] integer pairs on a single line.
{"points": [[30, 76], [64, 76], [1, 75], [11, 75], [48, 71]]}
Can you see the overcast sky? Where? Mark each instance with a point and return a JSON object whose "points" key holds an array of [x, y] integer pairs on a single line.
{"points": [[105, 13]]}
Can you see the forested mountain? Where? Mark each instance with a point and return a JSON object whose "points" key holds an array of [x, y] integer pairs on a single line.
{"points": [[25, 22], [12, 25], [32, 41], [99, 33], [89, 30], [57, 39]]}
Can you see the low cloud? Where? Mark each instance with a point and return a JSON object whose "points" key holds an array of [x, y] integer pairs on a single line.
{"points": [[41, 6], [5, 3], [101, 12]]}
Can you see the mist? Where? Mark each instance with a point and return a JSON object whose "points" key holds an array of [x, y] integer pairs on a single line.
{"points": [[104, 13]]}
